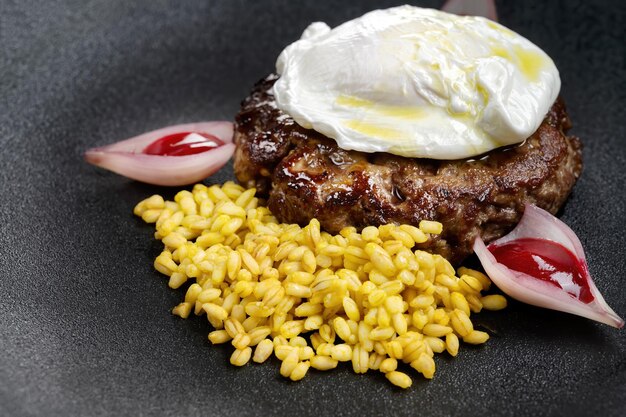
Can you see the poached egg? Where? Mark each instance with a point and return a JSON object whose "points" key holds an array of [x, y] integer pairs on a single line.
{"points": [[417, 82]]}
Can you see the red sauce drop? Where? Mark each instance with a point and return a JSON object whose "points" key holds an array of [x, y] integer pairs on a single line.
{"points": [[548, 261], [183, 144]]}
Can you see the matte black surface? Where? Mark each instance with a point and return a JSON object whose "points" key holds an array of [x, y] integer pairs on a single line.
{"points": [[85, 327]]}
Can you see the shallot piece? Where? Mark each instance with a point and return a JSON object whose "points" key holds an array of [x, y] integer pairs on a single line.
{"points": [[541, 262], [171, 156], [484, 8]]}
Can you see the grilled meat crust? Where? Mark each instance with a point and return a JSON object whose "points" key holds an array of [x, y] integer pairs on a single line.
{"points": [[305, 175]]}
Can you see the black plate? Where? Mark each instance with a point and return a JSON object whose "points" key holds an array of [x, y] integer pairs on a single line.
{"points": [[85, 325]]}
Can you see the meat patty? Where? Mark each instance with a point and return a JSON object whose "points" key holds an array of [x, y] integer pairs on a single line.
{"points": [[305, 175]]}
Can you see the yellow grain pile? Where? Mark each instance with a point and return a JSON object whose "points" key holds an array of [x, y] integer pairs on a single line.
{"points": [[310, 298]]}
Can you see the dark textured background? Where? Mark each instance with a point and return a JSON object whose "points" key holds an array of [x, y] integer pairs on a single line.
{"points": [[85, 325]]}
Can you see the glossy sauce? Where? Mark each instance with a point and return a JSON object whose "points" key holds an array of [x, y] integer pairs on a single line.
{"points": [[183, 144], [548, 261]]}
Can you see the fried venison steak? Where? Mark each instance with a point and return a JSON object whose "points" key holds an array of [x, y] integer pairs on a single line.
{"points": [[306, 175]]}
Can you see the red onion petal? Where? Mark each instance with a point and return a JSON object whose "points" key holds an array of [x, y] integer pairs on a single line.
{"points": [[537, 223], [126, 157], [162, 170], [485, 8]]}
